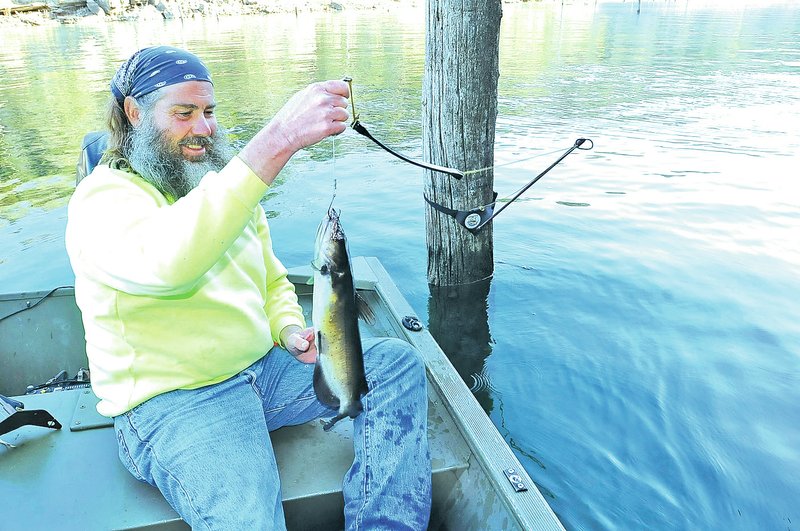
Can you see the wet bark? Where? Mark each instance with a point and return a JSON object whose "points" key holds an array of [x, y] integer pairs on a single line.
{"points": [[459, 114]]}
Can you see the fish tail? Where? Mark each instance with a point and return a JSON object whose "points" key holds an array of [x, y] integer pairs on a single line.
{"points": [[328, 425]]}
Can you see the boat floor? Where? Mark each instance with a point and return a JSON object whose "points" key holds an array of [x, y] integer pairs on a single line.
{"points": [[72, 478]]}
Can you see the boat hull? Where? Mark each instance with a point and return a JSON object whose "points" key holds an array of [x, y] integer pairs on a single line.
{"points": [[73, 477]]}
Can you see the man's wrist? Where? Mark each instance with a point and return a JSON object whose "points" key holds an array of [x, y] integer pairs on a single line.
{"points": [[267, 153], [288, 330]]}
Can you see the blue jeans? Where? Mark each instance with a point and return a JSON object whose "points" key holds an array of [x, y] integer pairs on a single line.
{"points": [[209, 453]]}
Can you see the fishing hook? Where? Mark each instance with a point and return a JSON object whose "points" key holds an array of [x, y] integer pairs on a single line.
{"points": [[476, 218]]}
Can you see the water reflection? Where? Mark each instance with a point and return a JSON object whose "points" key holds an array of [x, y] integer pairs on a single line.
{"points": [[656, 278], [55, 82], [459, 321]]}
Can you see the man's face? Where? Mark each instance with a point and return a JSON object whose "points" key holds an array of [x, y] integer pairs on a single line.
{"points": [[185, 115], [176, 142]]}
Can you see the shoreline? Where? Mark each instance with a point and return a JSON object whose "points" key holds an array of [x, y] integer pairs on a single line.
{"points": [[65, 12], [24, 13]]}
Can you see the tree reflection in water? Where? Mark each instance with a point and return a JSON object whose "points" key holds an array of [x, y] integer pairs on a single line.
{"points": [[459, 321]]}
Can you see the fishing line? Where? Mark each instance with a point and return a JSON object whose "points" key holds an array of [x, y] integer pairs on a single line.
{"points": [[458, 174], [333, 159], [362, 130], [359, 127], [512, 162], [317, 266], [476, 218], [333, 154]]}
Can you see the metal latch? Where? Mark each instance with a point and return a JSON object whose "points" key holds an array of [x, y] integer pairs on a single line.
{"points": [[412, 323], [515, 479]]}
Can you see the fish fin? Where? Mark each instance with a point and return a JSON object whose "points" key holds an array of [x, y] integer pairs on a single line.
{"points": [[364, 311], [322, 389], [319, 265], [328, 425]]}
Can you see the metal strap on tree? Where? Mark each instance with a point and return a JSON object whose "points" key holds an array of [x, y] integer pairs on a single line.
{"points": [[476, 218]]}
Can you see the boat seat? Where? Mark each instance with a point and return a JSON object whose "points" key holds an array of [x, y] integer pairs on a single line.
{"points": [[92, 148]]}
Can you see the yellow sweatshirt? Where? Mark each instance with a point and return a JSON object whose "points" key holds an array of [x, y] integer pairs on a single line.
{"points": [[174, 296]]}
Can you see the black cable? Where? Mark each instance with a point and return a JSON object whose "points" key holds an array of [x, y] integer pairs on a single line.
{"points": [[29, 305]]}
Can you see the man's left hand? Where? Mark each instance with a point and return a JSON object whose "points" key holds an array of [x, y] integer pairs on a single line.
{"points": [[300, 343]]}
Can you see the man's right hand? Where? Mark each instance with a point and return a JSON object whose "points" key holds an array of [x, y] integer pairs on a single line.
{"points": [[313, 114]]}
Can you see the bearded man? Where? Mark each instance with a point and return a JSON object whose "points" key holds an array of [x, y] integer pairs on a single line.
{"points": [[196, 342]]}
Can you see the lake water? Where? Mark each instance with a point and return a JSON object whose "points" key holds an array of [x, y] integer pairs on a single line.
{"points": [[639, 343]]}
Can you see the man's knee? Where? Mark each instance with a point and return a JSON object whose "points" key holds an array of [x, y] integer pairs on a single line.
{"points": [[392, 357]]}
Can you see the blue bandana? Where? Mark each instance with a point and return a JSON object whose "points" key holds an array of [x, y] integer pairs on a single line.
{"points": [[149, 69]]}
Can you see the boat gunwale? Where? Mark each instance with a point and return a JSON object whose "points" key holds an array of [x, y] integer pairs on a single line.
{"points": [[491, 450]]}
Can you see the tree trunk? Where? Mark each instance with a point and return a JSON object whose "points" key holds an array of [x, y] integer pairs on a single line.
{"points": [[460, 110]]}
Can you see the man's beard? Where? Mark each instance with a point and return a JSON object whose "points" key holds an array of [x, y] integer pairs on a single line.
{"points": [[160, 161]]}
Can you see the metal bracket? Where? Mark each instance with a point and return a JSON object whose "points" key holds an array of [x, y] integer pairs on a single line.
{"points": [[515, 479], [18, 416], [412, 323], [86, 416]]}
